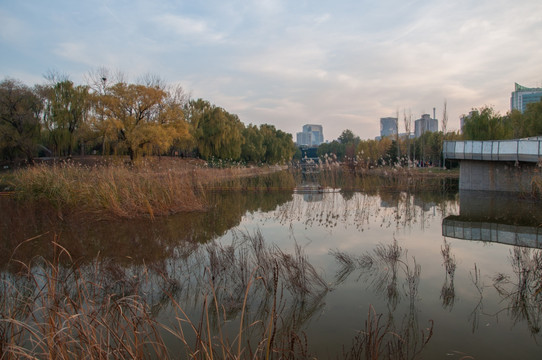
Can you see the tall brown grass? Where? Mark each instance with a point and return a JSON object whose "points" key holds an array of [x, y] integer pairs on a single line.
{"points": [[127, 191], [56, 312]]}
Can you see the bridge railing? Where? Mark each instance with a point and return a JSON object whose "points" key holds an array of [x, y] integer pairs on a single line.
{"points": [[528, 150], [517, 235]]}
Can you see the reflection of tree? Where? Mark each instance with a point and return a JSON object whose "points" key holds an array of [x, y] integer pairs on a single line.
{"points": [[524, 292], [127, 241]]}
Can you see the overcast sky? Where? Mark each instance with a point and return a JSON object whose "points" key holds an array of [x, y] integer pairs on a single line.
{"points": [[341, 64]]}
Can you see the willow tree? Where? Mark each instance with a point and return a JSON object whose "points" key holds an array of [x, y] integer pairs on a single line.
{"points": [[485, 124], [217, 133], [67, 109], [141, 118], [253, 149], [533, 119], [172, 117], [19, 120], [279, 146]]}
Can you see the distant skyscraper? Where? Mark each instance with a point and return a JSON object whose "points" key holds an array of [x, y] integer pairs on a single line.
{"points": [[303, 138], [523, 96], [425, 124], [388, 127], [312, 135]]}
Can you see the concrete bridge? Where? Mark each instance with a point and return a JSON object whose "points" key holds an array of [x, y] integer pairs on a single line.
{"points": [[497, 165]]}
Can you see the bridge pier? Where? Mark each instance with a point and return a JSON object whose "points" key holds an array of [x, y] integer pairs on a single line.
{"points": [[498, 176]]}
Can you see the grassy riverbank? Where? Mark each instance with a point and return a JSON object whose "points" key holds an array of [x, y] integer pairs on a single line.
{"points": [[153, 187]]}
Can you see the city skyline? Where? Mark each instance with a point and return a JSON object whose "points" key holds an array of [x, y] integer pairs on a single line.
{"points": [[343, 65]]}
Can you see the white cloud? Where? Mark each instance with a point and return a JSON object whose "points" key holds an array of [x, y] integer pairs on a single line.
{"points": [[186, 26]]}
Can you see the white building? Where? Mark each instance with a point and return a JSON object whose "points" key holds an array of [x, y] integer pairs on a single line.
{"points": [[312, 135]]}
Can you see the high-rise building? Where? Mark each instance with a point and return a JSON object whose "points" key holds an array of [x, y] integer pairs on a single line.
{"points": [[388, 127], [312, 135], [425, 123], [523, 96], [303, 138]]}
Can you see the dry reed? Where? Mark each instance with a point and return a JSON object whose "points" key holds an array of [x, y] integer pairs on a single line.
{"points": [[127, 191], [57, 312], [60, 309], [253, 299]]}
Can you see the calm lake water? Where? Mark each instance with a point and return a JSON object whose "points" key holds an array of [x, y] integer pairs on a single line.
{"points": [[467, 265]]}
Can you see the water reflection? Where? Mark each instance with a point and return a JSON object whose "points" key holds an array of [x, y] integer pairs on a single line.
{"points": [[339, 267], [501, 219], [494, 217], [447, 294], [388, 271], [346, 208], [523, 290], [127, 241]]}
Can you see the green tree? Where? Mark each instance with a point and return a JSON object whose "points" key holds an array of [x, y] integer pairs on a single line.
{"points": [[253, 149], [335, 147], [347, 137], [216, 132], [20, 111], [485, 124], [344, 147], [67, 110], [279, 146], [533, 119], [516, 121]]}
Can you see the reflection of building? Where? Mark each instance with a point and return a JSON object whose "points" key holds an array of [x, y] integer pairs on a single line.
{"points": [[312, 191], [523, 96], [388, 127], [425, 123], [312, 135], [313, 197]]}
